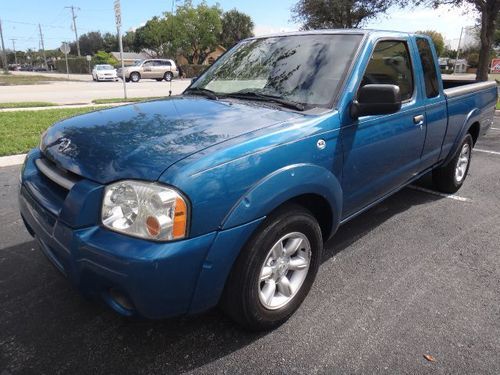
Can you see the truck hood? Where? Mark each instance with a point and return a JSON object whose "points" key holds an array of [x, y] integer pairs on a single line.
{"points": [[140, 141]]}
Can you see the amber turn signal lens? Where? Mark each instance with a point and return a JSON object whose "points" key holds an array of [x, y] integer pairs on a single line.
{"points": [[153, 226], [180, 219]]}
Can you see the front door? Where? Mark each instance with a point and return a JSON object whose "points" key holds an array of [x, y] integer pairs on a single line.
{"points": [[382, 152]]}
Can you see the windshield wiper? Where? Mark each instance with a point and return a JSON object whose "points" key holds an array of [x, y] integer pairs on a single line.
{"points": [[253, 95], [201, 91]]}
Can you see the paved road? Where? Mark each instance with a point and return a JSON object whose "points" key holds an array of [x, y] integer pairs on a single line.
{"points": [[418, 274], [71, 92]]}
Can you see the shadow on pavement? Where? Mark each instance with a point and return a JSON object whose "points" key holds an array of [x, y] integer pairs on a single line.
{"points": [[47, 327]]}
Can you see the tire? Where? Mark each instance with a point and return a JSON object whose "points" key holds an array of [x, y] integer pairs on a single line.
{"points": [[159, 79], [249, 297], [135, 77], [127, 79], [450, 178], [168, 76]]}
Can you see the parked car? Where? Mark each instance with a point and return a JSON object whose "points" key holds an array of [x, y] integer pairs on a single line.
{"points": [[159, 69], [226, 194], [104, 72]]}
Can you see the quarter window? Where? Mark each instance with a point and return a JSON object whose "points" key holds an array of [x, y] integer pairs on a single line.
{"points": [[429, 68], [390, 64]]}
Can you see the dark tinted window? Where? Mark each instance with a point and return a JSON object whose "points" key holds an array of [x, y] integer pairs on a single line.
{"points": [[163, 63], [429, 67], [390, 64]]}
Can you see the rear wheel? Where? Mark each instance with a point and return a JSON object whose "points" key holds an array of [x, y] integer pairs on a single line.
{"points": [[168, 76], [451, 177], [135, 77], [275, 269]]}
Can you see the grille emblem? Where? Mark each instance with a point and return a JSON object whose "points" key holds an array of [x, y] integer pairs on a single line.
{"points": [[64, 144]]}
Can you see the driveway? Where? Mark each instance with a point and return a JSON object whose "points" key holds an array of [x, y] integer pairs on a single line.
{"points": [[417, 275]]}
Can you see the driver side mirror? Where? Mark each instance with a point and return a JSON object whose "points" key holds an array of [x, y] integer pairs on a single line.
{"points": [[376, 99]]}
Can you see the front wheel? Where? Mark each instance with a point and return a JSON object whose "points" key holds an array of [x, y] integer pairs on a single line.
{"points": [[275, 270], [451, 177]]}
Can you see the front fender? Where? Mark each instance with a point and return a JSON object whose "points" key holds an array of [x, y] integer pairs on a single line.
{"points": [[282, 185]]}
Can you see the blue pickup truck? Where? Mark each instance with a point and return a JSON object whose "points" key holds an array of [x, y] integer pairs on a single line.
{"points": [[226, 194]]}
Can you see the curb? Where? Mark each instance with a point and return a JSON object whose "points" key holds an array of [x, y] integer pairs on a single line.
{"points": [[8, 161]]}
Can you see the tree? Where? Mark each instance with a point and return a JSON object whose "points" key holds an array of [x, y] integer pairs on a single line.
{"points": [[153, 36], [488, 10], [236, 26], [110, 42], [103, 57], [331, 14], [437, 39], [194, 31]]}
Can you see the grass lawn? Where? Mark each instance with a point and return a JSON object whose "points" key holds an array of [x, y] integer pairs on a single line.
{"points": [[17, 79], [122, 100], [20, 130], [498, 105], [26, 105]]}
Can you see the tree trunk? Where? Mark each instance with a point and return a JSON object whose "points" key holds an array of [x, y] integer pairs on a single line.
{"points": [[489, 13]]}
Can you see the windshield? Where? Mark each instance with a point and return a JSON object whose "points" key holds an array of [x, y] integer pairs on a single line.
{"points": [[306, 69], [104, 67]]}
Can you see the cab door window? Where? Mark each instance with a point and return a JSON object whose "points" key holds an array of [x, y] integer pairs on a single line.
{"points": [[390, 63]]}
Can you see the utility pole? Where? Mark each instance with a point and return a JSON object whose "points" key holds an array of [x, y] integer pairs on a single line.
{"points": [[43, 46], [458, 50], [4, 55], [14, 48], [74, 27]]}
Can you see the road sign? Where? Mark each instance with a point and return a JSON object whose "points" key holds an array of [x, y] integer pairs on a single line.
{"points": [[118, 13], [88, 57], [495, 66], [65, 48]]}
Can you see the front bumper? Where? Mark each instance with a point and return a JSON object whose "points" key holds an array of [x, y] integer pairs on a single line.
{"points": [[156, 279], [131, 275]]}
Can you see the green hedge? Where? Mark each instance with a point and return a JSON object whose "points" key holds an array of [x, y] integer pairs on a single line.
{"points": [[75, 64]]}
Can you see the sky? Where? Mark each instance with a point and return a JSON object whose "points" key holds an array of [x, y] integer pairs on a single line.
{"points": [[21, 22]]}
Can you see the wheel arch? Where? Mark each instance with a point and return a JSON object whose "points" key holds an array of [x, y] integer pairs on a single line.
{"points": [[310, 186]]}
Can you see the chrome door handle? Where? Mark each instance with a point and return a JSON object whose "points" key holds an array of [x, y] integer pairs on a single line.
{"points": [[418, 120]]}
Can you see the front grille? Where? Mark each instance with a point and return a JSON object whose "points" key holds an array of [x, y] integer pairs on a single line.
{"points": [[59, 176]]}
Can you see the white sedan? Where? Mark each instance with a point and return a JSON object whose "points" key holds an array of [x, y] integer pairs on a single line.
{"points": [[104, 72]]}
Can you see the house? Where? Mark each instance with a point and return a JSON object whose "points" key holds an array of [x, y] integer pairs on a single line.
{"points": [[129, 58], [219, 50]]}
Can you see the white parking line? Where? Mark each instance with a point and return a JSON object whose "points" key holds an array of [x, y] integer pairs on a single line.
{"points": [[450, 196], [494, 129], [487, 151]]}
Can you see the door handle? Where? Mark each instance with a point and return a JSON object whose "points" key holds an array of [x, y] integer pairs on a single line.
{"points": [[418, 120]]}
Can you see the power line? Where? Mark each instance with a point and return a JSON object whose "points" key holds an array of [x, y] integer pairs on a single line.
{"points": [[74, 27]]}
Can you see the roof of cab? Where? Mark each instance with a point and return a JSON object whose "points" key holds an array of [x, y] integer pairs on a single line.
{"points": [[389, 33]]}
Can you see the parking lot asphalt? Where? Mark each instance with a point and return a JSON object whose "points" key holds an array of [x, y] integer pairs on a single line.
{"points": [[417, 275], [83, 92]]}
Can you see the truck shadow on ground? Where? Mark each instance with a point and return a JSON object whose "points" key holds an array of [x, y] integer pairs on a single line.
{"points": [[46, 326]]}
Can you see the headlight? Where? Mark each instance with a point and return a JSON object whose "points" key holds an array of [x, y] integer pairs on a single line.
{"points": [[146, 210]]}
